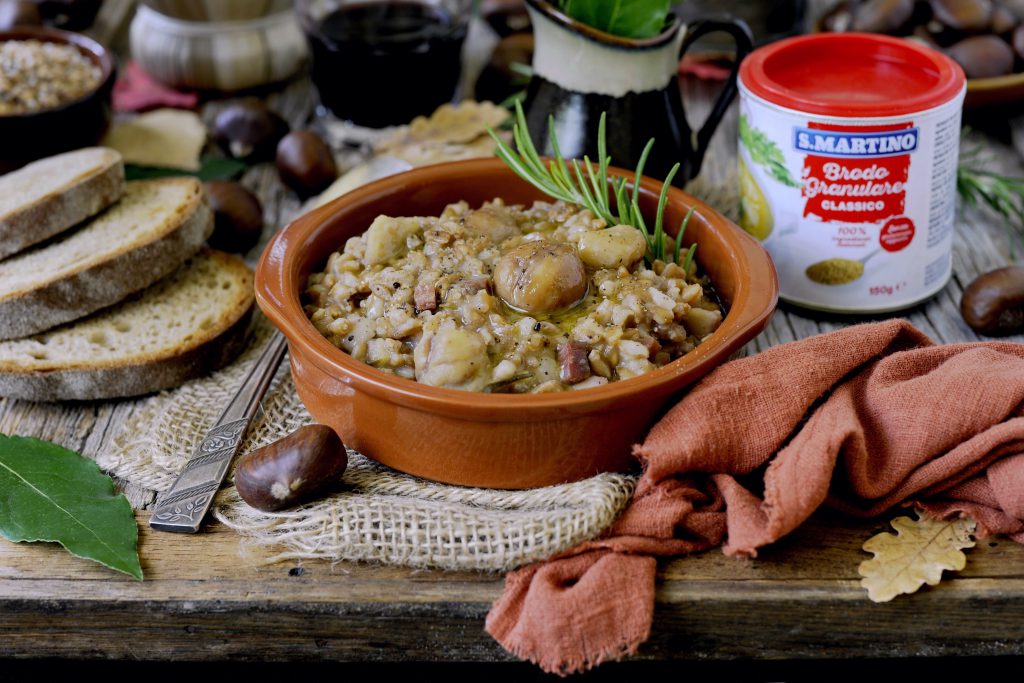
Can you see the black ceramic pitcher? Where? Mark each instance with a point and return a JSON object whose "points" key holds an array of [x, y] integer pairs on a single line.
{"points": [[579, 72]]}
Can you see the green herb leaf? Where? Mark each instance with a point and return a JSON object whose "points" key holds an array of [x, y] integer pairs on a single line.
{"points": [[48, 493], [212, 168], [625, 18], [1003, 194], [766, 153]]}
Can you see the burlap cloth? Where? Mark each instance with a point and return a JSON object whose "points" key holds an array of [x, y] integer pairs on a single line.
{"points": [[377, 514]]}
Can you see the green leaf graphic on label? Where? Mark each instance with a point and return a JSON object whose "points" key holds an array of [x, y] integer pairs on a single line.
{"points": [[48, 493], [765, 153]]}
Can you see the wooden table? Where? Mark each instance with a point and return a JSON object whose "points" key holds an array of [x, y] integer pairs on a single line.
{"points": [[206, 599]]}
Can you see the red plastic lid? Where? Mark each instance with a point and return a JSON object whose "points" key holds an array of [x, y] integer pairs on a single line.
{"points": [[851, 75]]}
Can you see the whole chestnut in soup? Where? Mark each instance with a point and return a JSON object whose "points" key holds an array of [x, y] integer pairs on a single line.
{"points": [[305, 163], [541, 277], [237, 215], [291, 470], [993, 303]]}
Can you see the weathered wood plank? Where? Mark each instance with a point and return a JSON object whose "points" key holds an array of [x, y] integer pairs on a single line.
{"points": [[204, 598], [826, 548]]}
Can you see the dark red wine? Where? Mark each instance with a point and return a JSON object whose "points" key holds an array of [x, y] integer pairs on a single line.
{"points": [[380, 64]]}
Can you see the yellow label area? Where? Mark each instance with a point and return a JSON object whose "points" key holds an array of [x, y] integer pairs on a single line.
{"points": [[755, 214]]}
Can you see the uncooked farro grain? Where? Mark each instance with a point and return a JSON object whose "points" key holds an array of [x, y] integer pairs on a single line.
{"points": [[37, 75]]}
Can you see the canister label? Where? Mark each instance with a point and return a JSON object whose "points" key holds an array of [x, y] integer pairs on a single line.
{"points": [[857, 213]]}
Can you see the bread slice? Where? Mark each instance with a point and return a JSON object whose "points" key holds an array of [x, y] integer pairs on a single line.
{"points": [[131, 245], [51, 195], [184, 326]]}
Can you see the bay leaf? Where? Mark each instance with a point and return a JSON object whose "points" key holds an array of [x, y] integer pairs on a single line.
{"points": [[213, 168], [50, 493]]}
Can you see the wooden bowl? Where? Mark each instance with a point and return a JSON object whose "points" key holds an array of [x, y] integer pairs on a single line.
{"points": [[80, 123], [998, 90], [222, 56], [494, 440]]}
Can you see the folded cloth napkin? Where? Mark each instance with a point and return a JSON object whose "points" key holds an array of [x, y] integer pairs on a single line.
{"points": [[136, 90], [860, 420]]}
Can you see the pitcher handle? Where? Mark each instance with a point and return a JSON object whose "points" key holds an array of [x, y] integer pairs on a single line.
{"points": [[744, 44]]}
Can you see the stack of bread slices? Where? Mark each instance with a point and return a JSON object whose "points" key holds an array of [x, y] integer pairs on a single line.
{"points": [[106, 287]]}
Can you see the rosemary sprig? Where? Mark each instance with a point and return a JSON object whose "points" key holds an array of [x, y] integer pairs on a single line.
{"points": [[581, 184], [1003, 194]]}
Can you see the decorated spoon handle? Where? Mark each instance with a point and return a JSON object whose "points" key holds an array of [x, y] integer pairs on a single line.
{"points": [[183, 507]]}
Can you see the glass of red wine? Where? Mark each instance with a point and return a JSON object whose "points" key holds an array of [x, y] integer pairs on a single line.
{"points": [[383, 62]]}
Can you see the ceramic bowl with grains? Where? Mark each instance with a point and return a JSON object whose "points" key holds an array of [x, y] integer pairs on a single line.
{"points": [[55, 92], [37, 75], [493, 439]]}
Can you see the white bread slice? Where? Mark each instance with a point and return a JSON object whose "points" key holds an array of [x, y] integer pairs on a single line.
{"points": [[131, 245], [184, 326], [51, 195]]}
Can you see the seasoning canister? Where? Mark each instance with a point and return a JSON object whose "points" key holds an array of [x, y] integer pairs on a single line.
{"points": [[848, 156]]}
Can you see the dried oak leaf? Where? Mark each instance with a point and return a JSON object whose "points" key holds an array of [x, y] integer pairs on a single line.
{"points": [[917, 554]]}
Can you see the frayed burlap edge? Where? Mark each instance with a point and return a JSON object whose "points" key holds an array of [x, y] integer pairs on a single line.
{"points": [[379, 515]]}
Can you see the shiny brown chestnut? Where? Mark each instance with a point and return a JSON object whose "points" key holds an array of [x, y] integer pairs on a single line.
{"points": [[1017, 38], [249, 130], [882, 16], [237, 216], [70, 15], [292, 470], [993, 304], [305, 163], [982, 56], [963, 15], [1003, 20]]}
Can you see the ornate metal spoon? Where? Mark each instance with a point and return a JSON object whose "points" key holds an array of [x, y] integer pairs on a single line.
{"points": [[183, 507]]}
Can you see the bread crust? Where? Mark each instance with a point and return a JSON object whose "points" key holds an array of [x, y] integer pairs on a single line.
{"points": [[126, 271], [120, 381], [210, 349], [62, 208]]}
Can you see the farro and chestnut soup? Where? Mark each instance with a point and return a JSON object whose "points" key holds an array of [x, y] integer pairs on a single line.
{"points": [[508, 298]]}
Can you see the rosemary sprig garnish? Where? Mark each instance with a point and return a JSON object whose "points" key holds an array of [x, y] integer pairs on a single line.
{"points": [[579, 183], [1003, 194]]}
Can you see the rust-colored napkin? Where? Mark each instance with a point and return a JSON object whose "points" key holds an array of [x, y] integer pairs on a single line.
{"points": [[136, 90], [859, 420]]}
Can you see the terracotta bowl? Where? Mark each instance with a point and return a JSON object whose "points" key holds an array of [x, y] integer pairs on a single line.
{"points": [[80, 123], [494, 440]]}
